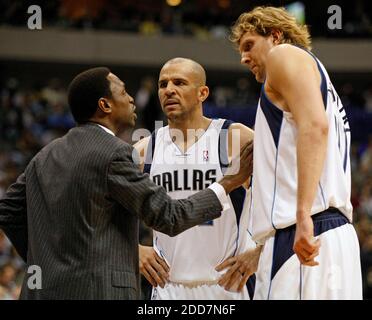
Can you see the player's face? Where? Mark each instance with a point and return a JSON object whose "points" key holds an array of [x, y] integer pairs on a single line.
{"points": [[122, 103], [178, 91], [253, 49]]}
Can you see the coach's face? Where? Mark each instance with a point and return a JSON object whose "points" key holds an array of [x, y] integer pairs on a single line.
{"points": [[254, 49], [122, 104], [180, 91]]}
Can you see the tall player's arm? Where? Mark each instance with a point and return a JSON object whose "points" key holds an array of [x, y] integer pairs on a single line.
{"points": [[151, 265], [293, 76]]}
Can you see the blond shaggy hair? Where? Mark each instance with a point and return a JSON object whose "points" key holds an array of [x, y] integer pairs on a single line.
{"points": [[263, 20]]}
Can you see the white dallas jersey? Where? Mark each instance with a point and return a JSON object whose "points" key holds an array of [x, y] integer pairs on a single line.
{"points": [[194, 254], [274, 187]]}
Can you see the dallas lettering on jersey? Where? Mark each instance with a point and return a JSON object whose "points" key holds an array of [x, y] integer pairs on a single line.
{"points": [[192, 179]]}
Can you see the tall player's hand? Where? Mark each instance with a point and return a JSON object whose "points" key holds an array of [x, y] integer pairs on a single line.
{"points": [[153, 267], [241, 267], [305, 245], [240, 169]]}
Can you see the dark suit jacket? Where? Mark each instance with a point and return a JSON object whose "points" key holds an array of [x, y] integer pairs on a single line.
{"points": [[74, 212]]}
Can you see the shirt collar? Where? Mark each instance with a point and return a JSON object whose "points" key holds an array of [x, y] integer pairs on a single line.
{"points": [[106, 129]]}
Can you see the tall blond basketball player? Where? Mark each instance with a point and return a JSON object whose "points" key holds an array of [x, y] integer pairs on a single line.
{"points": [[301, 208], [184, 161]]}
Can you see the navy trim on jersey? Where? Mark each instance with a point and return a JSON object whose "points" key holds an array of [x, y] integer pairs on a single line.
{"points": [[274, 193], [150, 153], [346, 153], [323, 83], [237, 196], [273, 115], [251, 285], [284, 238], [223, 148]]}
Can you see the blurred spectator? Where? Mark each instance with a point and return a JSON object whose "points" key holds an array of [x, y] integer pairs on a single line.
{"points": [[368, 99], [148, 107]]}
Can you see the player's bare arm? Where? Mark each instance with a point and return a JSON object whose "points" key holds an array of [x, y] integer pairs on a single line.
{"points": [[293, 83], [141, 147], [241, 267], [151, 265], [238, 136]]}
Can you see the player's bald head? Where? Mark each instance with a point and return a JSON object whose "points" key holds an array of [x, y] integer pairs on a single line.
{"points": [[193, 66]]}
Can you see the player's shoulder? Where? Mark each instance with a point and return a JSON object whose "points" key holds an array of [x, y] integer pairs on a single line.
{"points": [[246, 134], [287, 53], [142, 144], [241, 127]]}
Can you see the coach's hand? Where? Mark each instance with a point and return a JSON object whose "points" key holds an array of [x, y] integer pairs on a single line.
{"points": [[153, 267], [241, 267], [305, 245], [240, 169]]}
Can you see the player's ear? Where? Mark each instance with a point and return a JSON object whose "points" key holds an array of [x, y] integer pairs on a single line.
{"points": [[277, 36], [203, 93], [104, 106]]}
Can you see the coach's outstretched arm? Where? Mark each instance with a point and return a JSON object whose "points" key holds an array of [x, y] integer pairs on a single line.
{"points": [[139, 195]]}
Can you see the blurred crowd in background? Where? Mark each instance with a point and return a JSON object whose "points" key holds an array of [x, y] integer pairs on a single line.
{"points": [[31, 116], [198, 18]]}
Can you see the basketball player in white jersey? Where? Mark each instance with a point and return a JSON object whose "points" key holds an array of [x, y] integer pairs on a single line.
{"points": [[301, 208], [186, 156]]}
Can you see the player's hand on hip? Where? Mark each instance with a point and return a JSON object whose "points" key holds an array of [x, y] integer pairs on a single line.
{"points": [[152, 266], [306, 246], [240, 169], [240, 268]]}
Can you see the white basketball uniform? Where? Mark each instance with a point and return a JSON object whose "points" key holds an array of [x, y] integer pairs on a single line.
{"points": [[274, 189], [193, 255]]}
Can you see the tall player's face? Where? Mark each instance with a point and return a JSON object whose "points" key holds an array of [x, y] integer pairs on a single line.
{"points": [[179, 91], [253, 49]]}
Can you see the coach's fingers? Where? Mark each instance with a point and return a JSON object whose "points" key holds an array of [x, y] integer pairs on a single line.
{"points": [[247, 152]]}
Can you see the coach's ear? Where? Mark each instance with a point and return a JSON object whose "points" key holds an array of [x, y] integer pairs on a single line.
{"points": [[104, 106], [203, 93]]}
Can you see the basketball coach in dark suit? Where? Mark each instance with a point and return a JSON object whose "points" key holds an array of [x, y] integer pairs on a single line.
{"points": [[74, 211]]}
